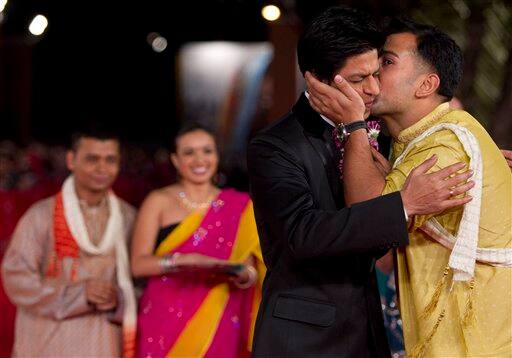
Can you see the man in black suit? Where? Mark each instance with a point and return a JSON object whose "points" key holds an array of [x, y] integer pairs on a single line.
{"points": [[320, 296]]}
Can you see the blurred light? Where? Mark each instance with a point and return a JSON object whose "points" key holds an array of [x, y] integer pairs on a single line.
{"points": [[158, 43], [462, 8], [38, 25], [271, 13], [3, 3]]}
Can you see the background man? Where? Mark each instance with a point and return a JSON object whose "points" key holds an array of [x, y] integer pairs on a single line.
{"points": [[66, 268]]}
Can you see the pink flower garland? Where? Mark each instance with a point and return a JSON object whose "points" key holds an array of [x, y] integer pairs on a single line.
{"points": [[373, 133]]}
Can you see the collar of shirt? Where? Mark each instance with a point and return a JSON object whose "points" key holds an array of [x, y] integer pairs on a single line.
{"points": [[331, 123]]}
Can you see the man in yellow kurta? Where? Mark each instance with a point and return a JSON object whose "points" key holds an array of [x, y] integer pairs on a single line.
{"points": [[455, 277], [446, 311], [485, 328]]}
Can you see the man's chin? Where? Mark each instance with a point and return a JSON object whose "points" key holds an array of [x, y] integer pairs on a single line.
{"points": [[99, 188], [376, 110]]}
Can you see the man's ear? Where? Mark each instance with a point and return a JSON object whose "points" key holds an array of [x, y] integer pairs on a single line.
{"points": [[428, 86], [70, 160]]}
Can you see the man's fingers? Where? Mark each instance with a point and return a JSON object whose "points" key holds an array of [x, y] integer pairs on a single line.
{"points": [[461, 189], [103, 290], [458, 179], [97, 299], [102, 287], [318, 105], [316, 87], [452, 203], [426, 165], [344, 87], [449, 170], [324, 91], [326, 107], [315, 103], [102, 294], [376, 155], [379, 157], [507, 154]]}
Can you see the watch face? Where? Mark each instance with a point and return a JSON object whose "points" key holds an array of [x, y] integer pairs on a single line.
{"points": [[341, 135], [341, 132]]}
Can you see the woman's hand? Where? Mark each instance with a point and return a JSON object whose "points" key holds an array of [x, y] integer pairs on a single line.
{"points": [[246, 278]]}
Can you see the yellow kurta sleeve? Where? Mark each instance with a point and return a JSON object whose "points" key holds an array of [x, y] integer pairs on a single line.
{"points": [[448, 149]]}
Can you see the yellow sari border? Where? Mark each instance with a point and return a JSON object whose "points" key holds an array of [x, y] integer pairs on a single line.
{"points": [[181, 233], [199, 332]]}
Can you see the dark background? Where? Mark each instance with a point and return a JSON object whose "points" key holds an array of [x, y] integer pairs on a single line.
{"points": [[93, 61]]}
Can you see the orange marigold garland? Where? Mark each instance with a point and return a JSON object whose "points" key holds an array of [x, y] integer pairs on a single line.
{"points": [[65, 245]]}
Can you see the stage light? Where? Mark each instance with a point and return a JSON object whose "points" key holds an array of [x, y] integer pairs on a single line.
{"points": [[158, 43], [38, 25], [271, 13], [3, 3]]}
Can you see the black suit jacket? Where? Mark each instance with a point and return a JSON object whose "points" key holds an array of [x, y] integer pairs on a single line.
{"points": [[320, 296]]}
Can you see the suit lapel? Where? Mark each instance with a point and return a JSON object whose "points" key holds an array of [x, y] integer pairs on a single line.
{"points": [[318, 134]]}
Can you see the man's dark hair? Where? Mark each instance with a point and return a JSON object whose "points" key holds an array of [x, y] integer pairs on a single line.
{"points": [[437, 49], [188, 127], [332, 37], [95, 131]]}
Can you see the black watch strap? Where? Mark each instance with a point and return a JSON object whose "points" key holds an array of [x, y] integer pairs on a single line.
{"points": [[355, 126]]}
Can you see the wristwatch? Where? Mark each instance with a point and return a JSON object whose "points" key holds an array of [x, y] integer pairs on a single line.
{"points": [[344, 130]]}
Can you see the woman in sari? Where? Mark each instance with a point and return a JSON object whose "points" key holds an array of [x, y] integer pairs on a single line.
{"points": [[183, 232]]}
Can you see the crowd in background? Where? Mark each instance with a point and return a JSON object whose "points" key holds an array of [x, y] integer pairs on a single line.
{"points": [[30, 173]]}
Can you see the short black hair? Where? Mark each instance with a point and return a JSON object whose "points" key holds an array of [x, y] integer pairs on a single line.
{"points": [[437, 49], [335, 35], [93, 130], [188, 127]]}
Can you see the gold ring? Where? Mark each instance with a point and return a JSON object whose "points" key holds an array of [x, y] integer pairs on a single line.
{"points": [[451, 192]]}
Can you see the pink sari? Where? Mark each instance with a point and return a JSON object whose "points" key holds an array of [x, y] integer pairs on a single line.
{"points": [[187, 315]]}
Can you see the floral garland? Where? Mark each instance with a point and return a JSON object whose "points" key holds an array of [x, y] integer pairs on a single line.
{"points": [[373, 133]]}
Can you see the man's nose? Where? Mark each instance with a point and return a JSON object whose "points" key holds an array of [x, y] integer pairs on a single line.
{"points": [[373, 86], [102, 165]]}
